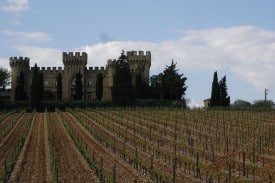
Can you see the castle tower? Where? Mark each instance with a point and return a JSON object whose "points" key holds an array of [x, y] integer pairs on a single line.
{"points": [[108, 79], [139, 63], [73, 63], [18, 65]]}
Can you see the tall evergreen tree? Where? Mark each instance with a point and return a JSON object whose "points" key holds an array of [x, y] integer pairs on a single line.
{"points": [[41, 85], [20, 93], [141, 88], [224, 98], [99, 86], [219, 95], [37, 88], [59, 86], [215, 93], [155, 88], [122, 90], [78, 86], [172, 84]]}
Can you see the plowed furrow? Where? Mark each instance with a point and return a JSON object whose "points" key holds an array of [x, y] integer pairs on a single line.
{"points": [[34, 166], [10, 142], [123, 172], [71, 165], [6, 121]]}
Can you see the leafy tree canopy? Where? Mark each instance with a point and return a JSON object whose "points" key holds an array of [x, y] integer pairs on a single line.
{"points": [[4, 77], [172, 84]]}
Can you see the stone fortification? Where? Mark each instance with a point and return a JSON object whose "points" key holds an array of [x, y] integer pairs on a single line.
{"points": [[75, 62]]}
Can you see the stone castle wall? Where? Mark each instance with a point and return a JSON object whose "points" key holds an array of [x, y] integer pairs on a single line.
{"points": [[139, 63]]}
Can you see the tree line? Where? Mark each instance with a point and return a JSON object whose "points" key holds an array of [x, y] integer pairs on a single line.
{"points": [[168, 85]]}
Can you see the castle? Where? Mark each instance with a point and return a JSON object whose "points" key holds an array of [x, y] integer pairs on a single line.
{"points": [[139, 63]]}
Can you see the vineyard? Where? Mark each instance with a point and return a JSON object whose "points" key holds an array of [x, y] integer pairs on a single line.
{"points": [[138, 145]]}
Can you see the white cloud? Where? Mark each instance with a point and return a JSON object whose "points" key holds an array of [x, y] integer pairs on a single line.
{"points": [[247, 51], [46, 57], [192, 103], [16, 6], [28, 36], [4, 63]]}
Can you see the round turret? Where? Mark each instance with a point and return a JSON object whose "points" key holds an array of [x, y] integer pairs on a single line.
{"points": [[18, 65], [140, 63], [77, 59]]}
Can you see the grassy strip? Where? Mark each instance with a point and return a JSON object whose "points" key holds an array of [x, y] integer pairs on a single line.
{"points": [[53, 164]]}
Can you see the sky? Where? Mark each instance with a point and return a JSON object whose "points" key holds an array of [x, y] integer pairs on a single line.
{"points": [[236, 38]]}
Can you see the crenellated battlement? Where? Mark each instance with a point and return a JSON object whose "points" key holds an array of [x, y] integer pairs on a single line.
{"points": [[111, 62], [19, 61], [75, 62], [76, 58], [49, 69], [138, 53], [96, 69], [139, 57]]}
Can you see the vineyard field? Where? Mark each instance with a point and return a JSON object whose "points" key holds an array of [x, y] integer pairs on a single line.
{"points": [[138, 145]]}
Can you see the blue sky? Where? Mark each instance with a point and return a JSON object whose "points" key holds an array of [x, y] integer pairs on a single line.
{"points": [[236, 38]]}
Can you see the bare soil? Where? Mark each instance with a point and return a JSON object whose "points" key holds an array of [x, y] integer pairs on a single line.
{"points": [[71, 165], [123, 172], [11, 141], [33, 166]]}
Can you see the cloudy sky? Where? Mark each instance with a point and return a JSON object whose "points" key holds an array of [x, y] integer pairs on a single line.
{"points": [[235, 38]]}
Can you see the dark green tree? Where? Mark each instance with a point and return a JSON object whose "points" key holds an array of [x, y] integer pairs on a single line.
{"points": [[99, 86], [172, 84], [59, 86], [37, 88], [155, 88], [215, 93], [141, 88], [122, 90], [224, 98], [219, 95], [41, 86], [20, 93], [78, 86], [4, 77]]}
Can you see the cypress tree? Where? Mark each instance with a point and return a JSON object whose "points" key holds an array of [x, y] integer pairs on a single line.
{"points": [[215, 93], [37, 88], [224, 98], [99, 86], [78, 86], [140, 87], [20, 93], [122, 90], [59, 86]]}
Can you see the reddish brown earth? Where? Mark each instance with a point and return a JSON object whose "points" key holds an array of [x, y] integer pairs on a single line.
{"points": [[144, 157], [71, 165], [33, 166], [123, 172], [8, 145], [6, 121]]}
